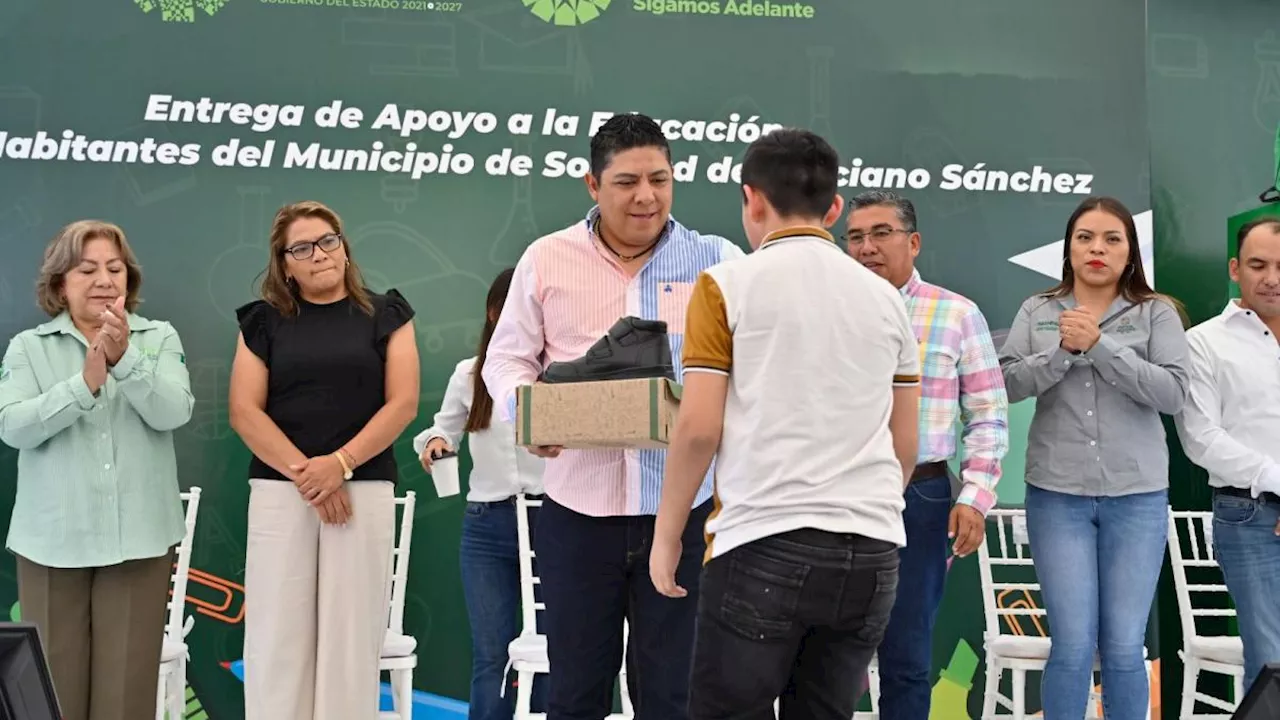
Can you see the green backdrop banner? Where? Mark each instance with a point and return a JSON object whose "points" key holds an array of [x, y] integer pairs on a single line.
{"points": [[449, 134]]}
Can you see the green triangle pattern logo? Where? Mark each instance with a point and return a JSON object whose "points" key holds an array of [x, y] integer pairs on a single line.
{"points": [[180, 10], [566, 13]]}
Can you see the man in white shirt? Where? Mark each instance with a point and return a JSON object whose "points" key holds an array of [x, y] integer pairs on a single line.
{"points": [[1231, 427]]}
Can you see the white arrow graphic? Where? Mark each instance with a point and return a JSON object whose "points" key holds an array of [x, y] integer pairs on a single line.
{"points": [[1047, 259]]}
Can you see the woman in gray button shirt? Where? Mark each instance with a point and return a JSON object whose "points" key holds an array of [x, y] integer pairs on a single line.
{"points": [[1104, 355]]}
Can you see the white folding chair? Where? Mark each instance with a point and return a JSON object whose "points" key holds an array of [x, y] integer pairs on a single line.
{"points": [[398, 656], [1014, 599], [873, 689], [1191, 548], [171, 691], [527, 654]]}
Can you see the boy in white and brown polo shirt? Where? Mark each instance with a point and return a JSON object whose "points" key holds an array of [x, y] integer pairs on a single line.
{"points": [[810, 411]]}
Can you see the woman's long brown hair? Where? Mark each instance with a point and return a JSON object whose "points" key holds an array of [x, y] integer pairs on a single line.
{"points": [[481, 402], [1133, 285], [276, 289]]}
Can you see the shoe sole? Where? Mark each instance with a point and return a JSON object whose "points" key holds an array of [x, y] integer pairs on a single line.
{"points": [[646, 373]]}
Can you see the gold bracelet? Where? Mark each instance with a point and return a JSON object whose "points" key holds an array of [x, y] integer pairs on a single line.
{"points": [[346, 469]]}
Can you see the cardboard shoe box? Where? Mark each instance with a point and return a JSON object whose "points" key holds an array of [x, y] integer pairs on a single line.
{"points": [[638, 413]]}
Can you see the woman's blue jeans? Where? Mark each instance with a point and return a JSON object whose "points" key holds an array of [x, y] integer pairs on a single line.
{"points": [[490, 565], [1098, 560]]}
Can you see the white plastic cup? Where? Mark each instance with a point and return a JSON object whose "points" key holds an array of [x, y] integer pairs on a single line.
{"points": [[444, 473]]}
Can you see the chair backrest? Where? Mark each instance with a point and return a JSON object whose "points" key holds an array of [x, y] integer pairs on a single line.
{"points": [[400, 562], [529, 604], [1010, 590], [173, 626], [1191, 552]]}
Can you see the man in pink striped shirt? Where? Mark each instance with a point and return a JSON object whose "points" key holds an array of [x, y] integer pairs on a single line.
{"points": [[960, 381], [595, 528]]}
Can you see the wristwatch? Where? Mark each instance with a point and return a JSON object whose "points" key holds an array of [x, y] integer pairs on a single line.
{"points": [[347, 472]]}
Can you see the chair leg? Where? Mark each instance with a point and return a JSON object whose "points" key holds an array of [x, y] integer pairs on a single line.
{"points": [[177, 690], [161, 697], [993, 689], [1095, 697], [1019, 694], [873, 686], [1237, 684], [1190, 678], [403, 690], [524, 694]]}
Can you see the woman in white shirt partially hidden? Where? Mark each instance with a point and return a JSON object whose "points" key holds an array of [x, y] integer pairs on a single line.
{"points": [[489, 555]]}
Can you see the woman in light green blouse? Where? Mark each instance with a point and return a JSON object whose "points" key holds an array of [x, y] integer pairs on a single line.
{"points": [[90, 400]]}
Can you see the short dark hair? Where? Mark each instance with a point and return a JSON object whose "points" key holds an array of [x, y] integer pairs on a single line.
{"points": [[796, 171], [1272, 222], [887, 198], [625, 131]]}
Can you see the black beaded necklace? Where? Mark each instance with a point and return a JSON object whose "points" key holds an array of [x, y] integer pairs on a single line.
{"points": [[620, 256], [629, 258]]}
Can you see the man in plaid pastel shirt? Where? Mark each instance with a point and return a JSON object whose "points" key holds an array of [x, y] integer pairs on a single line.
{"points": [[961, 379]]}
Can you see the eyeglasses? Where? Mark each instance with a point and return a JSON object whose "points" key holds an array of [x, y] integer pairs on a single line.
{"points": [[304, 250], [878, 235]]}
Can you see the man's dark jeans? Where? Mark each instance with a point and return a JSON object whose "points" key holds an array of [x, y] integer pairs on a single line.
{"points": [[795, 617], [906, 653], [594, 572]]}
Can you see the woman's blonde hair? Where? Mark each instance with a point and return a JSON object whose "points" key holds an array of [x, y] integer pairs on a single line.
{"points": [[66, 251], [276, 290]]}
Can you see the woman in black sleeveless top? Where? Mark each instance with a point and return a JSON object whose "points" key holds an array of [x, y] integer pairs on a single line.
{"points": [[325, 379]]}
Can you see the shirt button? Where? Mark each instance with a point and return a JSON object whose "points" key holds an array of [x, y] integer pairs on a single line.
{"points": [[107, 466], [1088, 384], [1099, 458], [1113, 382], [1090, 413], [1093, 442], [104, 436]]}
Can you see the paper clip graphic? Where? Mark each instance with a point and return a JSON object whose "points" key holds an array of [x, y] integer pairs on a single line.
{"points": [[229, 608], [1021, 600]]}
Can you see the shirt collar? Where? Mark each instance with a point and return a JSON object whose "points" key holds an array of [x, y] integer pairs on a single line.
{"points": [[1233, 309], [593, 225], [912, 285], [797, 231], [1233, 313]]}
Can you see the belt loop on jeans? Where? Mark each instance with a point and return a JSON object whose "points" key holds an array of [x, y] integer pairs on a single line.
{"points": [[925, 471]]}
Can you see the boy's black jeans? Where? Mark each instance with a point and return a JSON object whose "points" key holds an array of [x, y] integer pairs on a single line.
{"points": [[795, 617]]}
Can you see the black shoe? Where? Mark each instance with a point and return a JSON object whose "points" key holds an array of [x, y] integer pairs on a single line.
{"points": [[633, 348]]}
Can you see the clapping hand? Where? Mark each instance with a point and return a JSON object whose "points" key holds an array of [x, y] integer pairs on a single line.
{"points": [[114, 334], [95, 366], [1078, 329]]}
